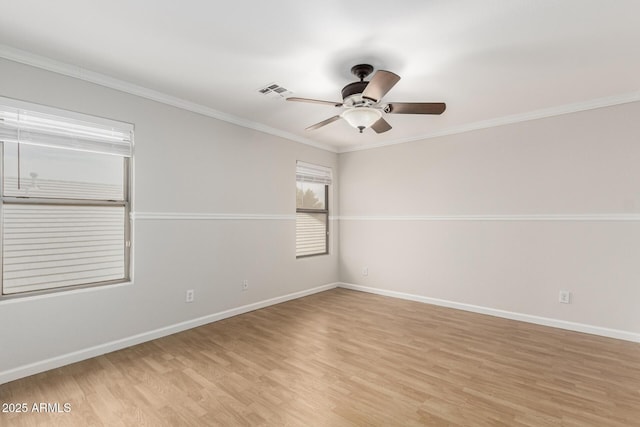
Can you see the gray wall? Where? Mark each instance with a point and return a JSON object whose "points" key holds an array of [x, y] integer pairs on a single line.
{"points": [[184, 163], [481, 251]]}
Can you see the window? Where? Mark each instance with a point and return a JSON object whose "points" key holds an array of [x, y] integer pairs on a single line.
{"points": [[312, 209], [65, 199]]}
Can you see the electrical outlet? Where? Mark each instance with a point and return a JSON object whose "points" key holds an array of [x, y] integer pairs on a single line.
{"points": [[245, 285], [190, 296], [565, 297], [365, 271]]}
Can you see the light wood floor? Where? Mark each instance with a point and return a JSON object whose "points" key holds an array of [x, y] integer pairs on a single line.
{"points": [[348, 358]]}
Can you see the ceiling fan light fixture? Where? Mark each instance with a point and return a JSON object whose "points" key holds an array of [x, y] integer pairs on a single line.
{"points": [[361, 117]]}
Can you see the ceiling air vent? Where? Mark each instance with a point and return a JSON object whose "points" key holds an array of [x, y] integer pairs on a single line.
{"points": [[274, 90]]}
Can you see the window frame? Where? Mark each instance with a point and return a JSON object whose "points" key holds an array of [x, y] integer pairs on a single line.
{"points": [[125, 203], [324, 211]]}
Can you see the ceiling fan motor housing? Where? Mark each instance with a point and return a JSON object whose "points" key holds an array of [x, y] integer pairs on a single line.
{"points": [[352, 93], [355, 88]]}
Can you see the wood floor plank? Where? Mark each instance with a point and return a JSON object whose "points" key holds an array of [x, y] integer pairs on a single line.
{"points": [[345, 358]]}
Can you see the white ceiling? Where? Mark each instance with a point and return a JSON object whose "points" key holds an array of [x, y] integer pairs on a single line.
{"points": [[491, 61]]}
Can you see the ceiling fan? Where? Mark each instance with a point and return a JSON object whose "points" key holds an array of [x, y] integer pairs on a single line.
{"points": [[362, 101]]}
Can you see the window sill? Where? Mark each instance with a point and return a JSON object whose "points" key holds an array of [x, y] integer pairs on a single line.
{"points": [[50, 293]]}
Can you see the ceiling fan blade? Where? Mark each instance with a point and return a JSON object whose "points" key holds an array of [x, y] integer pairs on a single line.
{"points": [[381, 126], [415, 108], [323, 123], [315, 101], [381, 83]]}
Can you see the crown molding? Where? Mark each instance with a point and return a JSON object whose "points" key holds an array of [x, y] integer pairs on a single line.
{"points": [[38, 61], [27, 58], [593, 104]]}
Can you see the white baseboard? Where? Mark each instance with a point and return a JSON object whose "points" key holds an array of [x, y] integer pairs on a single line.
{"points": [[87, 353], [555, 323]]}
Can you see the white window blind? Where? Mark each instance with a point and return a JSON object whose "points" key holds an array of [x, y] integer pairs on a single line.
{"points": [[47, 247], [27, 126], [307, 172], [311, 234], [65, 198], [312, 211]]}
